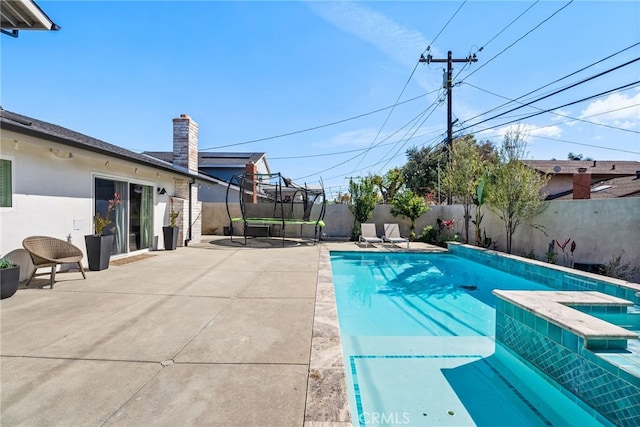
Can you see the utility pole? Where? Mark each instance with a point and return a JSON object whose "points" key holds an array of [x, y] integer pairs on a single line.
{"points": [[448, 85]]}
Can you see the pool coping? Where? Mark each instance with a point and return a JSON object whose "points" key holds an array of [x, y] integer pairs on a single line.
{"points": [[554, 306]]}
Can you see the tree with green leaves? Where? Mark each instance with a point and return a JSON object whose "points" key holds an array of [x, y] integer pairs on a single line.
{"points": [[515, 189], [389, 184], [421, 170], [409, 204], [461, 174], [363, 198], [573, 156]]}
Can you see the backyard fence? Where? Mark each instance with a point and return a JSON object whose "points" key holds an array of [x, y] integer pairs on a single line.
{"points": [[601, 228]]}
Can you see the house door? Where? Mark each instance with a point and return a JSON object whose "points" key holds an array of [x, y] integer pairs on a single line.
{"points": [[106, 190], [140, 216]]}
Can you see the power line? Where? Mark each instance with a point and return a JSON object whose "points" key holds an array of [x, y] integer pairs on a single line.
{"points": [[559, 140], [589, 145], [564, 115], [518, 40], [408, 80], [439, 137], [553, 82], [357, 155], [336, 153], [510, 24], [390, 112], [319, 126], [628, 85], [368, 167], [555, 93], [445, 26], [407, 140]]}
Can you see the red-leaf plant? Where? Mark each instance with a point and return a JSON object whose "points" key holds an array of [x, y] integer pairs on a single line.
{"points": [[567, 257]]}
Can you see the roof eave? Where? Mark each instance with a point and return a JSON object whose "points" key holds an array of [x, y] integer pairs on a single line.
{"points": [[71, 143], [29, 17]]}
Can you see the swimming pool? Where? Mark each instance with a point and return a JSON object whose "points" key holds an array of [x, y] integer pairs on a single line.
{"points": [[417, 334]]}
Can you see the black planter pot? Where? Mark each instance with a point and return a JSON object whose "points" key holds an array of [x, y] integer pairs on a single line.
{"points": [[98, 251], [170, 238], [9, 280]]}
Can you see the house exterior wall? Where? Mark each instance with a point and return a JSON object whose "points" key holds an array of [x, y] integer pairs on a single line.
{"points": [[224, 174], [216, 193], [558, 184], [53, 195]]}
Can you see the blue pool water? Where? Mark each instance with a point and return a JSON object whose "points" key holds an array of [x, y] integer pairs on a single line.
{"points": [[417, 334]]}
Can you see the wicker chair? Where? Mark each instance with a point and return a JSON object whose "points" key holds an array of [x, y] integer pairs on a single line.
{"points": [[49, 252]]}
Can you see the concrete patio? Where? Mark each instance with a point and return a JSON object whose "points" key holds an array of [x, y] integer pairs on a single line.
{"points": [[211, 334]]}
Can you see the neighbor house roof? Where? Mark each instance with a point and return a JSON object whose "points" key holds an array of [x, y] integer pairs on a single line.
{"points": [[29, 126], [206, 159], [625, 186], [23, 15], [594, 167]]}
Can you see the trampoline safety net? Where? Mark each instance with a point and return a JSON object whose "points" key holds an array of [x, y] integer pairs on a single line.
{"points": [[272, 206]]}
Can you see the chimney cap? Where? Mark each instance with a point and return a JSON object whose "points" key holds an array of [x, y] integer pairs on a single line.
{"points": [[184, 116], [582, 170]]}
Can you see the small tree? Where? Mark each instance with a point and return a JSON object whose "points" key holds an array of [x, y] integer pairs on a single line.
{"points": [[515, 194], [462, 173], [362, 201], [409, 204]]}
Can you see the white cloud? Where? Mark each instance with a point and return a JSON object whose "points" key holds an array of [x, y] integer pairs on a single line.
{"points": [[402, 44], [617, 109], [559, 115]]}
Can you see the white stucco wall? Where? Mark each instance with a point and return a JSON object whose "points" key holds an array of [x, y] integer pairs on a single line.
{"points": [[53, 196], [601, 228]]}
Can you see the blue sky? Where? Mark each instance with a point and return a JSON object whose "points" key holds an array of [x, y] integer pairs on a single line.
{"points": [[120, 71]]}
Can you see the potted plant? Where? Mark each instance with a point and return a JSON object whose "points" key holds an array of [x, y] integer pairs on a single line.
{"points": [[170, 233], [9, 278], [98, 245]]}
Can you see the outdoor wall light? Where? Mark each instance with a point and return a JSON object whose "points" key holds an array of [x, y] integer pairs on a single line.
{"points": [[162, 190]]}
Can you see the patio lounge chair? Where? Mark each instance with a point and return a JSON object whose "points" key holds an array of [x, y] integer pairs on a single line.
{"points": [[49, 252], [392, 235], [368, 234]]}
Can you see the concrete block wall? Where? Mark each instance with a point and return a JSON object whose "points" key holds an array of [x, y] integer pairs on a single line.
{"points": [[600, 227]]}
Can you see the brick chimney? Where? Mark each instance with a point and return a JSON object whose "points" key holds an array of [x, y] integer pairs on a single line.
{"points": [[582, 184], [251, 176], [185, 143]]}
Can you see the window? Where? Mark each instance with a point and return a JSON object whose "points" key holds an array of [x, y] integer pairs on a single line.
{"points": [[6, 188]]}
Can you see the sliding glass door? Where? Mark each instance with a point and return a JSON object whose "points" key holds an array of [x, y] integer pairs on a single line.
{"points": [[141, 215], [131, 219]]}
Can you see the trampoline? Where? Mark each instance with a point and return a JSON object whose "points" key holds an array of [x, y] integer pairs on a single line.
{"points": [[272, 205]]}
